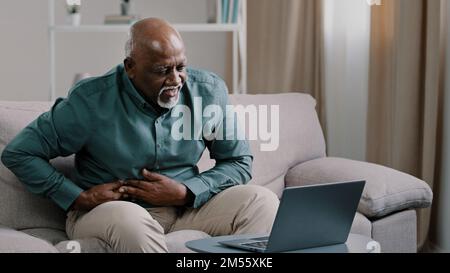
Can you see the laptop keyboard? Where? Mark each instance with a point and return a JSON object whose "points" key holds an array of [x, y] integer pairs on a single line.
{"points": [[260, 244]]}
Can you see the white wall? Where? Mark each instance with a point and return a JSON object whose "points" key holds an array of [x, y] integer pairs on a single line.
{"points": [[443, 223], [347, 40], [23, 50], [24, 74]]}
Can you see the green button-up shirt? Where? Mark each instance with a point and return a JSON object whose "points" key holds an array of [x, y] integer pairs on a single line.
{"points": [[115, 133]]}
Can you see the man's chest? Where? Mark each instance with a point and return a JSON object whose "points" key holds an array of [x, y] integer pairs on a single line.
{"points": [[142, 141]]}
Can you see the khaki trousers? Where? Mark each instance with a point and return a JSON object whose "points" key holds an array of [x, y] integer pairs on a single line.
{"points": [[128, 227]]}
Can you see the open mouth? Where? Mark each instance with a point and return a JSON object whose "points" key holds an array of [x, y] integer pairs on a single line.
{"points": [[170, 92]]}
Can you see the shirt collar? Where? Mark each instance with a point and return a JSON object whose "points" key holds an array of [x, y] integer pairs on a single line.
{"points": [[134, 94]]}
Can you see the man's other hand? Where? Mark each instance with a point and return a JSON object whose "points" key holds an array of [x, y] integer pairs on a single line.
{"points": [[157, 190], [98, 195]]}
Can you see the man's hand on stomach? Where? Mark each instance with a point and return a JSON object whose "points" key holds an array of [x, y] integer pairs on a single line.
{"points": [[157, 190], [97, 195]]}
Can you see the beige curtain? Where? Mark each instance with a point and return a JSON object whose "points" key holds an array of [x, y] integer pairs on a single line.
{"points": [[405, 90], [285, 48]]}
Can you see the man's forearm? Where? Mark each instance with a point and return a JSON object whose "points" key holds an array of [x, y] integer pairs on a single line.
{"points": [[224, 175], [38, 175]]}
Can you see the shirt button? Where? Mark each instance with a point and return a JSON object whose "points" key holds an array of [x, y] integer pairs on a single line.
{"points": [[157, 121], [159, 146]]}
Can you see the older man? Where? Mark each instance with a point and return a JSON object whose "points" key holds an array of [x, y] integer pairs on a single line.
{"points": [[133, 181]]}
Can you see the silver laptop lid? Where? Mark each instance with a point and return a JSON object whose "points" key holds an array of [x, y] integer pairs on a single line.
{"points": [[313, 216]]}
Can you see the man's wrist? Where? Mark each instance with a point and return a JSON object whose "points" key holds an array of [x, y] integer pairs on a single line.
{"points": [[78, 203], [187, 196]]}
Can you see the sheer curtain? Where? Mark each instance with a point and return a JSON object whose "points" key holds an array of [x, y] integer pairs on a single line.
{"points": [[346, 43], [285, 47], [320, 47], [405, 90], [441, 217], [399, 84]]}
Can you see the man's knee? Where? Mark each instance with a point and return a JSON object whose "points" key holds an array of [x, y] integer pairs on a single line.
{"points": [[132, 229], [259, 211], [266, 199], [121, 211], [259, 195]]}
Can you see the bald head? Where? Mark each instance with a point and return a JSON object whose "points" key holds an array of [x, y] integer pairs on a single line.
{"points": [[152, 34], [155, 61]]}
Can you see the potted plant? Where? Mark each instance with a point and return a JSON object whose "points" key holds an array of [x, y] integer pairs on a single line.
{"points": [[125, 7], [73, 12]]}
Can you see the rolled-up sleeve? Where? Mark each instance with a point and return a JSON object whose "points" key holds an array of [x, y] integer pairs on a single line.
{"points": [[62, 131]]}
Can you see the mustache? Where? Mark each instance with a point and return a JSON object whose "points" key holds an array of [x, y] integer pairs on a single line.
{"points": [[170, 87]]}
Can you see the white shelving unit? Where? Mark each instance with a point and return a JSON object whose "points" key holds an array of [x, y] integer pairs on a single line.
{"points": [[239, 44]]}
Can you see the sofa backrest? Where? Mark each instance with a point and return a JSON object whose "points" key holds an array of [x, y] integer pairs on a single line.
{"points": [[300, 139]]}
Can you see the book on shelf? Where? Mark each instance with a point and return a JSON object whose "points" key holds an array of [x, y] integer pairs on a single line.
{"points": [[230, 11], [223, 11], [120, 19], [225, 7], [236, 8]]}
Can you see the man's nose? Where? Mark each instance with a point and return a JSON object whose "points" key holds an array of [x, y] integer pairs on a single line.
{"points": [[174, 78]]}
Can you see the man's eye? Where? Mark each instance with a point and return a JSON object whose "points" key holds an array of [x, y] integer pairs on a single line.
{"points": [[181, 68], [161, 72]]}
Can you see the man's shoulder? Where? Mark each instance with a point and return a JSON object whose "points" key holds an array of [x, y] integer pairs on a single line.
{"points": [[96, 86], [203, 76], [207, 85]]}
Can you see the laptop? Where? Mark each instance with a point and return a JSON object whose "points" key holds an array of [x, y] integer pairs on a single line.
{"points": [[309, 217]]}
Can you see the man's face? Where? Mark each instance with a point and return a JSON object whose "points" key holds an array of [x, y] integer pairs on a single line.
{"points": [[159, 72]]}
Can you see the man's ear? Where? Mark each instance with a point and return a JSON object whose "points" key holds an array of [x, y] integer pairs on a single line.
{"points": [[129, 65]]}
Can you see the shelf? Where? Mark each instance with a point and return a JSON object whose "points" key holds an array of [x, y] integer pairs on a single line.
{"points": [[125, 28], [238, 35]]}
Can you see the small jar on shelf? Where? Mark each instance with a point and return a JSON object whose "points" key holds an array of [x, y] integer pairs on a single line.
{"points": [[73, 12]]}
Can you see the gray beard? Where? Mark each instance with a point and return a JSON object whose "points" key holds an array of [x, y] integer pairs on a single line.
{"points": [[171, 103]]}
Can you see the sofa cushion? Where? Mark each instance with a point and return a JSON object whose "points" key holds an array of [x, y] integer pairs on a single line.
{"points": [[13, 241], [175, 243], [53, 236], [300, 136], [396, 233], [361, 225], [386, 190], [176, 240], [84, 245], [20, 208]]}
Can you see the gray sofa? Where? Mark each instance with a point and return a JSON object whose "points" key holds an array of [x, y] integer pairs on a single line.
{"points": [[30, 223]]}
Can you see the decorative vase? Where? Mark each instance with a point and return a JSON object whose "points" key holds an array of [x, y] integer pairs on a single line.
{"points": [[74, 19], [73, 12], [125, 7]]}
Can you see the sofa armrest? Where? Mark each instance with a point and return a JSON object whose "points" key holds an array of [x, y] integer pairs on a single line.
{"points": [[13, 241], [386, 190]]}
